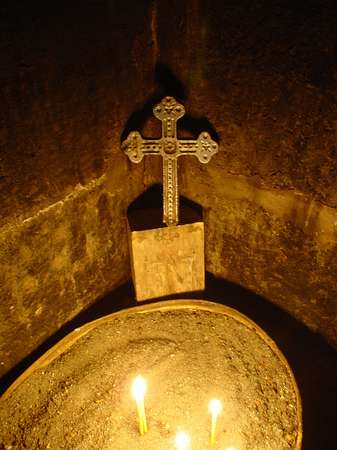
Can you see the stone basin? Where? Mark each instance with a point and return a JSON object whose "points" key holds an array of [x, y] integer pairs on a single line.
{"points": [[78, 395]]}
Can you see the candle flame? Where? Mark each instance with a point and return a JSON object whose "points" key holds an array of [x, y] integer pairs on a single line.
{"points": [[182, 440], [215, 407], [139, 388]]}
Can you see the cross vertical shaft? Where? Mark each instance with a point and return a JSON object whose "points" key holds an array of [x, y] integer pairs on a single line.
{"points": [[170, 191], [169, 111]]}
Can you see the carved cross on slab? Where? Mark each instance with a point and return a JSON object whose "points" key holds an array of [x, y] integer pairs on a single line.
{"points": [[169, 147]]}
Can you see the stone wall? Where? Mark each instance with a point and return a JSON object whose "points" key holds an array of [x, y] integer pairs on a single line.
{"points": [[71, 76], [264, 75], [260, 75]]}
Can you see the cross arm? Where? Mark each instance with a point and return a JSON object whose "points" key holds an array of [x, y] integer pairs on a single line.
{"points": [[203, 148], [136, 147]]}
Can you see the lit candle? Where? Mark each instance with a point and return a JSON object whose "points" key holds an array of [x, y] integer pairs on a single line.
{"points": [[182, 440], [214, 408], [138, 392]]}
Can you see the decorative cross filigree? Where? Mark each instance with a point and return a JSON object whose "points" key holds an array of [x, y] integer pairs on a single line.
{"points": [[169, 147]]}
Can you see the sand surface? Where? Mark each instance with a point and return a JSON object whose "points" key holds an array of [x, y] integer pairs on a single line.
{"points": [[81, 400]]}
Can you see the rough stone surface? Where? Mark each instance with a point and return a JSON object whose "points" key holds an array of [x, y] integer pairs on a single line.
{"points": [[70, 79], [260, 76], [56, 263], [264, 75]]}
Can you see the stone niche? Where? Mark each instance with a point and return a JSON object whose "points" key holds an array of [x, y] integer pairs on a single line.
{"points": [[263, 74]]}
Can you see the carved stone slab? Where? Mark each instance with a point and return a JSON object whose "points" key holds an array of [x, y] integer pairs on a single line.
{"points": [[167, 260]]}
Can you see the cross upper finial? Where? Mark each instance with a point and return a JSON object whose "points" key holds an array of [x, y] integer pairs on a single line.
{"points": [[169, 111]]}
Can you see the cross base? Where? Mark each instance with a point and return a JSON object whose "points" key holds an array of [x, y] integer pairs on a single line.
{"points": [[167, 261]]}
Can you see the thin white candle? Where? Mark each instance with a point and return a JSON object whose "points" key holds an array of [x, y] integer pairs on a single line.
{"points": [[182, 440], [138, 392], [215, 408]]}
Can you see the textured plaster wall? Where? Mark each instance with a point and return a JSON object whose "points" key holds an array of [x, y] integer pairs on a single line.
{"points": [[264, 75], [71, 73]]}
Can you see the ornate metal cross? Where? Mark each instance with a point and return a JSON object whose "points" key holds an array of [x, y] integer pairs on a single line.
{"points": [[169, 147]]}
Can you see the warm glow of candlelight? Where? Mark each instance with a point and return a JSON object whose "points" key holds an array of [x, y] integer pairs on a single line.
{"points": [[182, 441], [215, 408], [138, 392]]}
